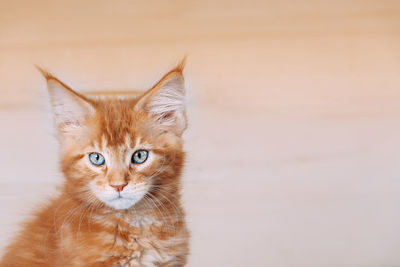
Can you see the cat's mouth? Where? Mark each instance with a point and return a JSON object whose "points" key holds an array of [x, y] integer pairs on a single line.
{"points": [[121, 201]]}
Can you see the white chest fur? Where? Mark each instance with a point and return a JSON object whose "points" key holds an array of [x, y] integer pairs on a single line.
{"points": [[147, 252], [143, 221]]}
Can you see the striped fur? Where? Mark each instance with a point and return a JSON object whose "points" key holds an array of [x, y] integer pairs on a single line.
{"points": [[81, 227]]}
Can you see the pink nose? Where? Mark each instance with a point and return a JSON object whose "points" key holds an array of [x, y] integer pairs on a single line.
{"points": [[119, 187]]}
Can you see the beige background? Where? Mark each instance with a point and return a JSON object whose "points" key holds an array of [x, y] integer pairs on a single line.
{"points": [[294, 138]]}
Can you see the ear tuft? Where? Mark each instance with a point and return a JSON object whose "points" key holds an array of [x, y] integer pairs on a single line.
{"points": [[165, 101], [47, 75], [70, 108], [181, 65]]}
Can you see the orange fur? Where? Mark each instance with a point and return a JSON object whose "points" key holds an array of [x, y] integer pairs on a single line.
{"points": [[77, 228]]}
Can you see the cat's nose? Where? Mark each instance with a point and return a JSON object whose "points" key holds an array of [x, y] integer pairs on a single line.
{"points": [[119, 187]]}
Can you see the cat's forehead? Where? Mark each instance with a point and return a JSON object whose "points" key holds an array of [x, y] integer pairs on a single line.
{"points": [[131, 142], [117, 123]]}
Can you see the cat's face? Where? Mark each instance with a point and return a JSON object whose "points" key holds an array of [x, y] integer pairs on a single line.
{"points": [[122, 175], [119, 152]]}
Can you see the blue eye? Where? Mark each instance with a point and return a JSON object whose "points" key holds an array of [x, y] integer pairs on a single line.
{"points": [[96, 159], [140, 156]]}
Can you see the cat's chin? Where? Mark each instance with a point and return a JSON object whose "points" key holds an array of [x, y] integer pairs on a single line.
{"points": [[120, 203]]}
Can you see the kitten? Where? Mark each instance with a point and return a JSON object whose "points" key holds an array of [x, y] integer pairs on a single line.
{"points": [[122, 160]]}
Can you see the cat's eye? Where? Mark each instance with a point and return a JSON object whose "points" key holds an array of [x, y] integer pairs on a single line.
{"points": [[96, 159], [140, 156]]}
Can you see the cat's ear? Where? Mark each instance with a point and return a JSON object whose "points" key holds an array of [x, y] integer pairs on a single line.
{"points": [[70, 108], [165, 101]]}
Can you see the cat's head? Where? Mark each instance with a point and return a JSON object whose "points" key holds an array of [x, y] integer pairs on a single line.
{"points": [[118, 151]]}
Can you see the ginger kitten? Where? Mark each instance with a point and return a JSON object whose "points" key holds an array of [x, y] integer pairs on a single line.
{"points": [[121, 158]]}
